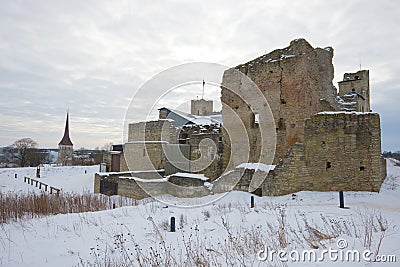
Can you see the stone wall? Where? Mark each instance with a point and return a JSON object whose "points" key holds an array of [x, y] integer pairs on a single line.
{"points": [[144, 149], [341, 151], [132, 187], [205, 148], [139, 156], [159, 130]]}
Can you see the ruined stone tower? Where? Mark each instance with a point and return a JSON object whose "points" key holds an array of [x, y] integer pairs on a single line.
{"points": [[65, 147], [297, 83], [321, 143], [354, 91]]}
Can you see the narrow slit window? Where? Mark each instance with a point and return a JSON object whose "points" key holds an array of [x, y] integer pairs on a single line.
{"points": [[328, 165]]}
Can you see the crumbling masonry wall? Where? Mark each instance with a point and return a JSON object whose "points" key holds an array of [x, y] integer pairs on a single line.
{"points": [[341, 151], [297, 83], [330, 151], [205, 148]]}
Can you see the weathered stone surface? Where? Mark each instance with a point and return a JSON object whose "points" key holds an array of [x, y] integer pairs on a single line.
{"points": [[354, 91], [144, 149], [313, 152], [129, 186], [293, 80], [341, 151]]}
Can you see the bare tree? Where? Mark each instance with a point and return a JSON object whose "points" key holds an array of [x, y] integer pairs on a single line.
{"points": [[25, 150], [107, 146]]}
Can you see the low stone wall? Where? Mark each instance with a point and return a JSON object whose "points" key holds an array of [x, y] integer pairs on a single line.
{"points": [[125, 185]]}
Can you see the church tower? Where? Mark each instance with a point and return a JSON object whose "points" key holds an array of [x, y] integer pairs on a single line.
{"points": [[65, 147]]}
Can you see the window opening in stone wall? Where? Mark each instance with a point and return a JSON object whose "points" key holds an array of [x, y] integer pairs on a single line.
{"points": [[144, 152], [353, 90], [362, 168], [328, 165]]}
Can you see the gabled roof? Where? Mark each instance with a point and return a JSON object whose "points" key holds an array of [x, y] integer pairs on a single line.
{"points": [[66, 141]]}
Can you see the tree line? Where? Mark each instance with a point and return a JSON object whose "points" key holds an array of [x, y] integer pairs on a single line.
{"points": [[25, 153]]}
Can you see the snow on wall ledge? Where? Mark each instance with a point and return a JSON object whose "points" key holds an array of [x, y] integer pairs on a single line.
{"points": [[345, 112]]}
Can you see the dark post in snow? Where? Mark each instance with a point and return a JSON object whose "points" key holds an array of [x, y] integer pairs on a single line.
{"points": [[172, 224], [252, 202], [38, 171], [341, 199], [113, 205]]}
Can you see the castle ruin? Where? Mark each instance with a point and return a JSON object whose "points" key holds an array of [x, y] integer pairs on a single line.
{"points": [[326, 139]]}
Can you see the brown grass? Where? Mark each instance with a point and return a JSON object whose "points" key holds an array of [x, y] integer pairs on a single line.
{"points": [[28, 205]]}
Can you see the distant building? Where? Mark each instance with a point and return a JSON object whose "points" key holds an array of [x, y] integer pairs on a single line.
{"points": [[201, 107], [65, 147]]}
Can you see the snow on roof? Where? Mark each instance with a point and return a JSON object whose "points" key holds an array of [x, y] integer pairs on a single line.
{"points": [[190, 175], [206, 120], [166, 120], [257, 166], [199, 120]]}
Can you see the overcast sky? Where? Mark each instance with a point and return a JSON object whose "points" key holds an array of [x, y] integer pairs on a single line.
{"points": [[91, 56]]}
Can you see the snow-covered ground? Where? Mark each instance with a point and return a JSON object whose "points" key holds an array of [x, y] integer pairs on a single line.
{"points": [[68, 178], [226, 232]]}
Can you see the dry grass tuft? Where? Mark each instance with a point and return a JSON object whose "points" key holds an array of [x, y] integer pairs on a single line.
{"points": [[28, 205]]}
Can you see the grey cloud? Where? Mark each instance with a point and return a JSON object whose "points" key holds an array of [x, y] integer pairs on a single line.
{"points": [[91, 56]]}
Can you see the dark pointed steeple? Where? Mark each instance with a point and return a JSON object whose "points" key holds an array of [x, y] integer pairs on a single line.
{"points": [[66, 141]]}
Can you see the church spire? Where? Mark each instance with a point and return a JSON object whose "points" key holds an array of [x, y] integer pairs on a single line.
{"points": [[66, 141]]}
